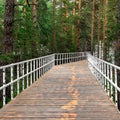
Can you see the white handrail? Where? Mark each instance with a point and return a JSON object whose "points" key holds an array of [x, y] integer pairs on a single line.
{"points": [[22, 74], [63, 58], [107, 74]]}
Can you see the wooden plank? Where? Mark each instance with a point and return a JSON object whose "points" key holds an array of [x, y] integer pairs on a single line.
{"points": [[67, 92]]}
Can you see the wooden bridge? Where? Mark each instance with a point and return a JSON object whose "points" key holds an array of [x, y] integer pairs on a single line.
{"points": [[66, 92]]}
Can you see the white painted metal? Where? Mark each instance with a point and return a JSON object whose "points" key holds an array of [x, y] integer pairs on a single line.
{"points": [[62, 58], [24, 73], [11, 81], [35, 71], [108, 73], [116, 97], [23, 79], [27, 75], [4, 88], [31, 70], [18, 84], [31, 73]]}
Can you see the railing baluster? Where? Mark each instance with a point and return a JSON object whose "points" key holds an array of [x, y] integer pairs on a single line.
{"points": [[109, 72], [103, 73], [67, 57], [108, 77], [4, 89], [43, 67], [111, 86], [40, 66], [23, 80], [18, 83], [62, 57], [27, 74], [37, 68], [53, 59], [57, 59], [34, 71], [11, 69], [30, 70], [31, 75], [116, 97], [105, 78]]}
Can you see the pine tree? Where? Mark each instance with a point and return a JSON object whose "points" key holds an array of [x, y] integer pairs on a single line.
{"points": [[117, 50], [92, 24], [7, 42]]}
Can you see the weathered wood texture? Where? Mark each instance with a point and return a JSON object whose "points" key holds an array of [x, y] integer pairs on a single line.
{"points": [[67, 92]]}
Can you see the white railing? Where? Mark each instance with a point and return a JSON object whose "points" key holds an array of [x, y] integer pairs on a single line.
{"points": [[18, 76], [63, 58], [107, 74]]}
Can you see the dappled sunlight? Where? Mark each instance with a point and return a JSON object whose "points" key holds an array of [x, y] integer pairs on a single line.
{"points": [[70, 106], [67, 116]]}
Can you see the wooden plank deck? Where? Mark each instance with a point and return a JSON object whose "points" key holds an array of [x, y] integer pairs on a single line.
{"points": [[66, 92]]}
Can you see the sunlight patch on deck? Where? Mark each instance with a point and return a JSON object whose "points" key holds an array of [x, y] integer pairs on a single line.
{"points": [[70, 106]]}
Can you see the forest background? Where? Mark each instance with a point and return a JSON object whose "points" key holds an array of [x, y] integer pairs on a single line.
{"points": [[32, 28]]}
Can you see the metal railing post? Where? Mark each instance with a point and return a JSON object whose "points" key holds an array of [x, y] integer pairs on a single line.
{"points": [[31, 75], [23, 82], [11, 72], [27, 75], [4, 89], [23, 74], [18, 86], [116, 97], [107, 72]]}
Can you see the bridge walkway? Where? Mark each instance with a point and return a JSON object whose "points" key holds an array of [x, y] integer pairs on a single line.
{"points": [[66, 92]]}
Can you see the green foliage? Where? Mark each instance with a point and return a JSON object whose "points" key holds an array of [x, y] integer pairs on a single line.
{"points": [[29, 39]]}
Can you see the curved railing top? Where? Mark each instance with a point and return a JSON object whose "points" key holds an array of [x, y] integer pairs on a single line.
{"points": [[109, 76], [15, 77]]}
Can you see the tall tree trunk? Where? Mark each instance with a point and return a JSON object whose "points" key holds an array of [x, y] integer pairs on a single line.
{"points": [[117, 52], [73, 26], [16, 26], [61, 14], [98, 51], [92, 28], [7, 42], [33, 40], [105, 21], [54, 27], [24, 11], [34, 11], [65, 16], [79, 11], [66, 27]]}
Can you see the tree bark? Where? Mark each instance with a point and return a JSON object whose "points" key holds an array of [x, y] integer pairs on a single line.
{"points": [[117, 53], [34, 11], [98, 53], [92, 28], [105, 21], [73, 26], [7, 42], [79, 29], [54, 28], [33, 40]]}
